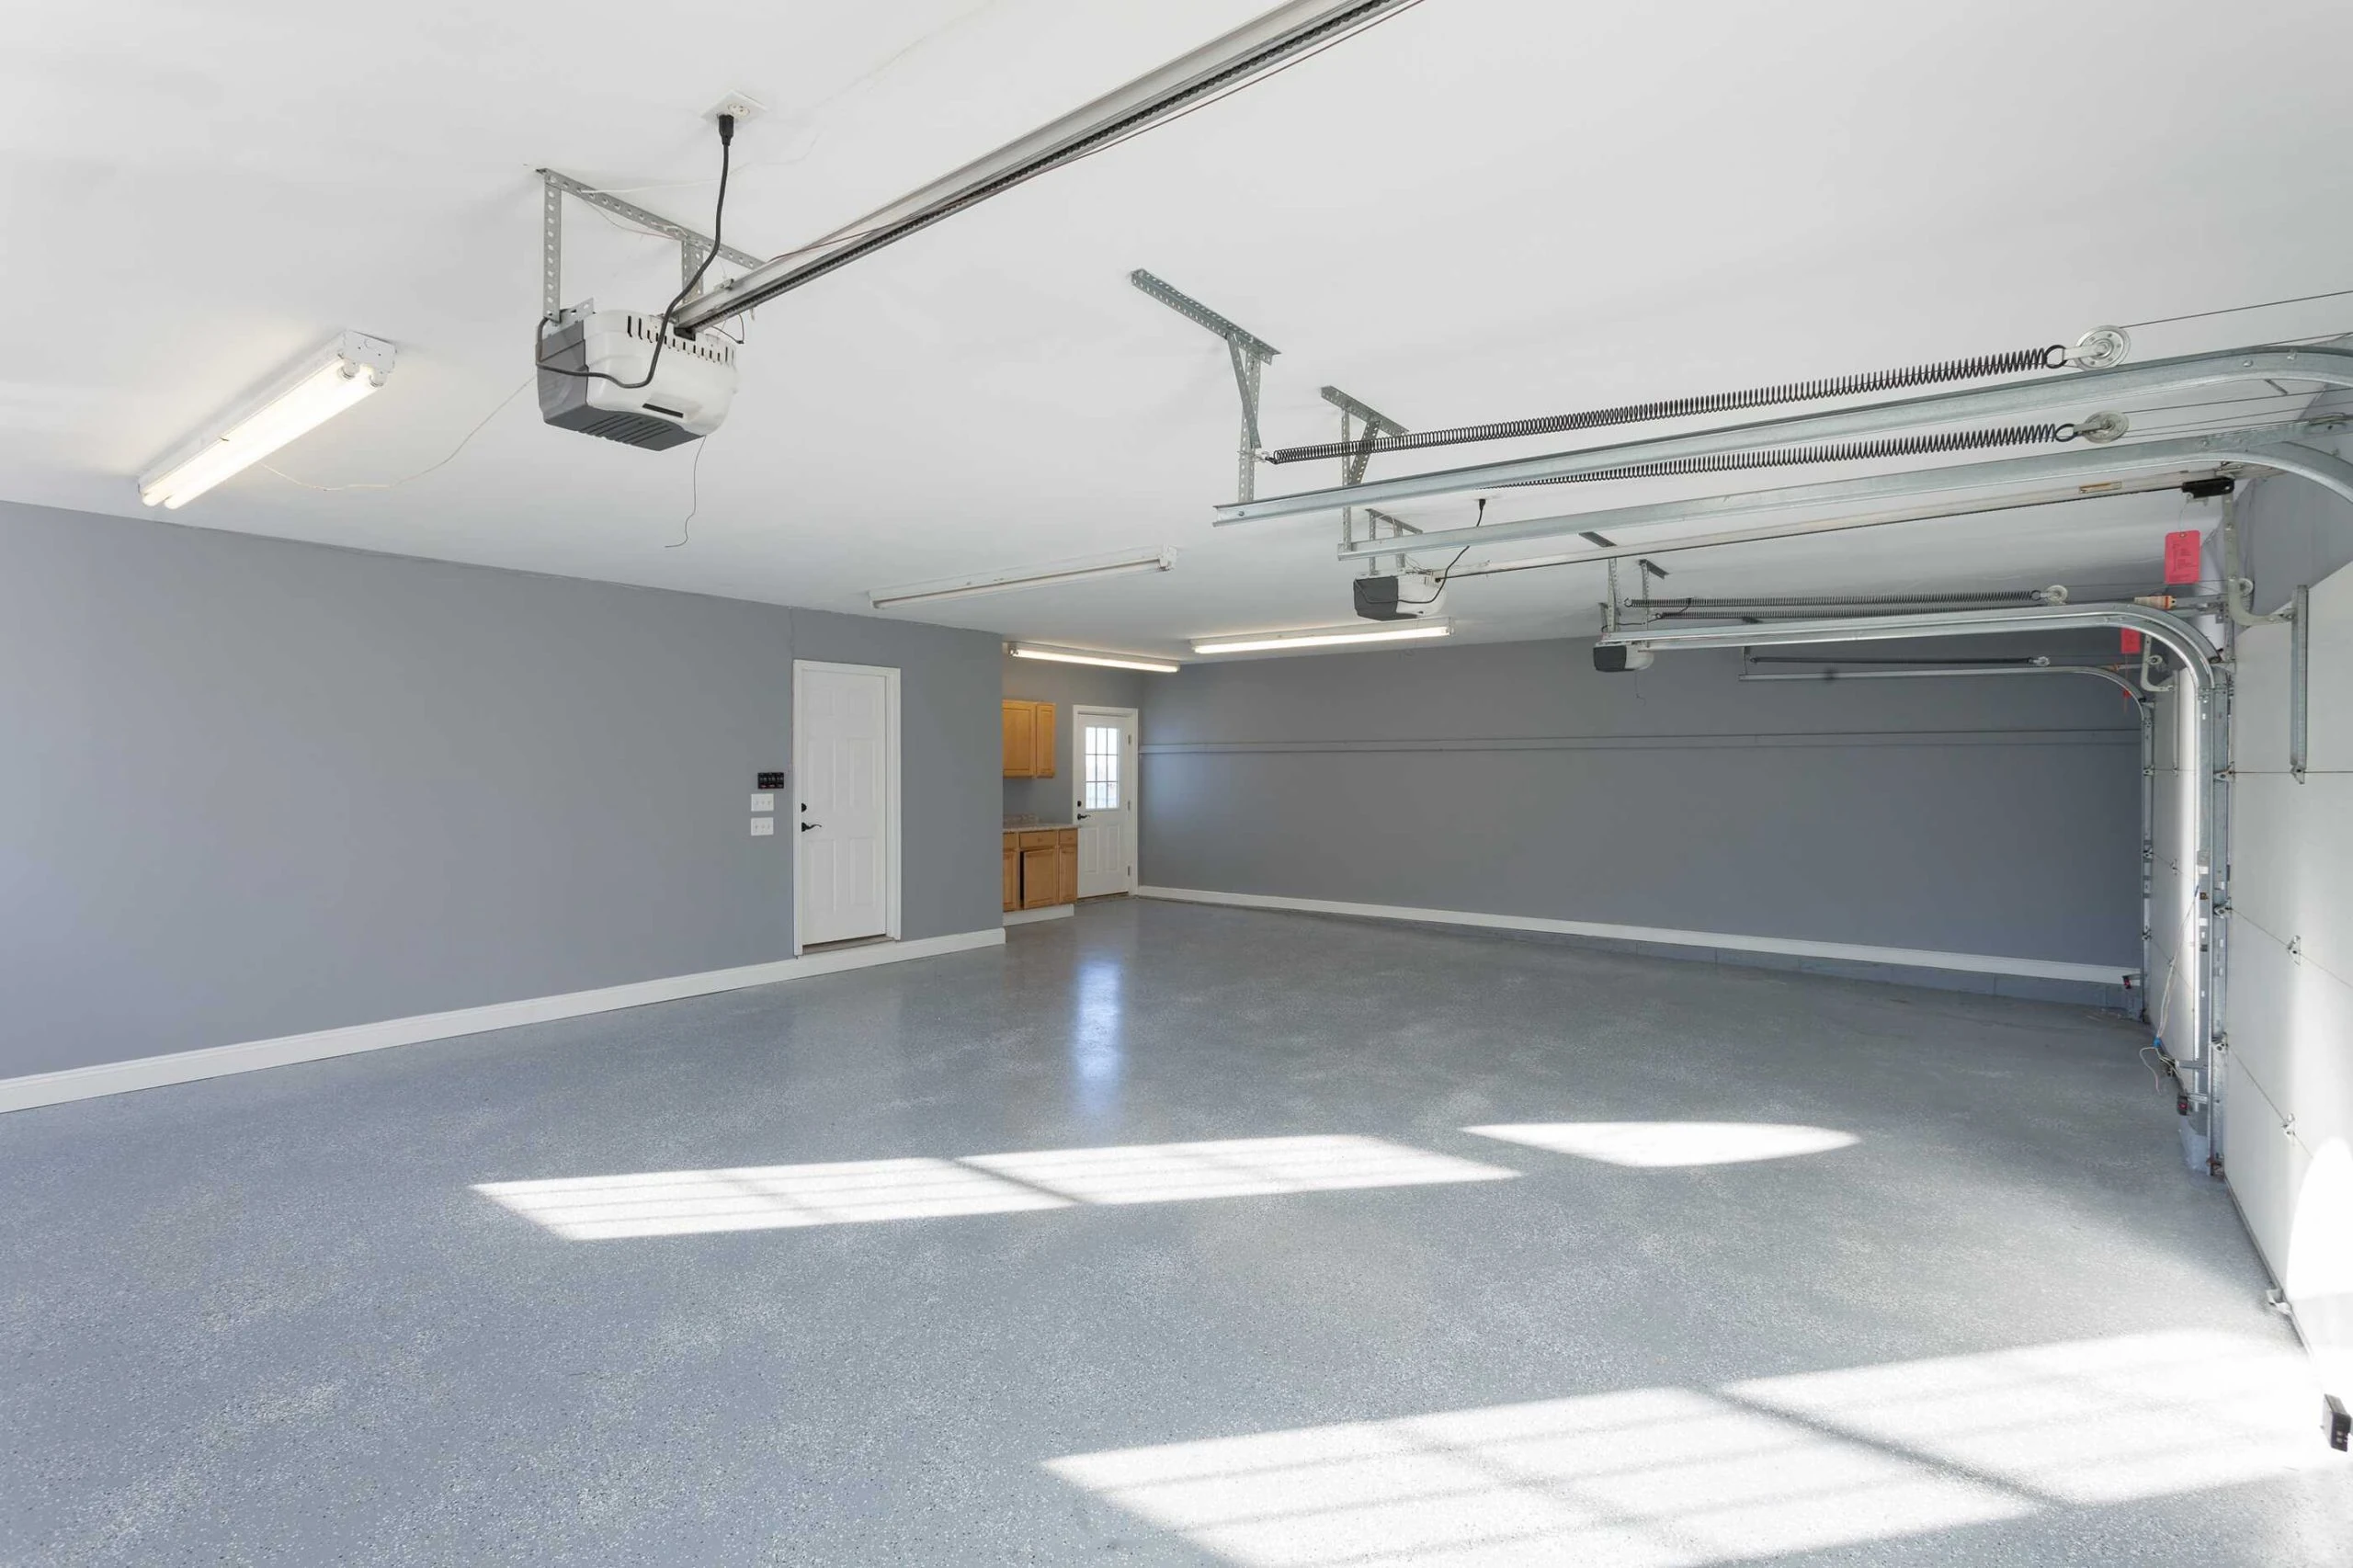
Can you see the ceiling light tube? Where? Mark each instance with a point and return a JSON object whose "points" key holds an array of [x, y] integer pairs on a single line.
{"points": [[1321, 637], [1109, 661], [1048, 576], [324, 385]]}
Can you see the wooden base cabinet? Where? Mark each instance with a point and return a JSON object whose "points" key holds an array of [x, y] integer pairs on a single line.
{"points": [[1041, 868]]}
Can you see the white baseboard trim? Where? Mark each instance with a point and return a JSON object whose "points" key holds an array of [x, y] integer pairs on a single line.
{"points": [[1915, 958], [186, 1066], [1047, 912]]}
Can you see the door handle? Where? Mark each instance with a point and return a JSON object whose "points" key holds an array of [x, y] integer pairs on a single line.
{"points": [[807, 826]]}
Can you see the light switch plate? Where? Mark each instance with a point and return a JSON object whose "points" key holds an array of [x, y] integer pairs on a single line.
{"points": [[764, 803], [763, 827]]}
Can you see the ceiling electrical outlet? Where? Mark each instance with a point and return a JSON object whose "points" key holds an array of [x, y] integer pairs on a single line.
{"points": [[763, 827], [742, 106]]}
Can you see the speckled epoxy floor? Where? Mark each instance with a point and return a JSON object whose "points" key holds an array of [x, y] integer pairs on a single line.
{"points": [[266, 1319]]}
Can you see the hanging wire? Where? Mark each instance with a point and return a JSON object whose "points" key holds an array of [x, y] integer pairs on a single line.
{"points": [[395, 483], [694, 497]]}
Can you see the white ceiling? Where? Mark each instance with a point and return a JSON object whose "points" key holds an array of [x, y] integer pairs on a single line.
{"points": [[1481, 208]]}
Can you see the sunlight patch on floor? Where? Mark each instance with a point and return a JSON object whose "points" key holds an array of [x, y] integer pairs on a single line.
{"points": [[1651, 1144], [1681, 1478], [765, 1198], [1234, 1167]]}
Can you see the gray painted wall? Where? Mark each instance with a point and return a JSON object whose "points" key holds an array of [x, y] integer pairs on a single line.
{"points": [[1983, 816], [1064, 685], [256, 788]]}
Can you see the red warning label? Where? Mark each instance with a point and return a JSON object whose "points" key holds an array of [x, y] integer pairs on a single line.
{"points": [[2130, 640], [2181, 556]]}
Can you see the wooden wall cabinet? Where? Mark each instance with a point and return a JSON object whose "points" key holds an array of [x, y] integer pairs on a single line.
{"points": [[1029, 739], [1041, 868]]}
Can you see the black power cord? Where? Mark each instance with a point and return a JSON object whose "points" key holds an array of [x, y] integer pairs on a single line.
{"points": [[662, 334]]}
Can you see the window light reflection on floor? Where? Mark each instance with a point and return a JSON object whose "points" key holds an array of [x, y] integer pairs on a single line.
{"points": [[760, 1197], [1238, 1167], [1660, 1143], [1642, 1479], [1679, 1478], [2099, 1421]]}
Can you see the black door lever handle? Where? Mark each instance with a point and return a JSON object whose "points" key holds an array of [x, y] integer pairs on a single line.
{"points": [[807, 826]]}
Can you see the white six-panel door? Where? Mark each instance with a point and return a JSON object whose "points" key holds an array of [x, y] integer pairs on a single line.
{"points": [[1103, 751], [842, 748]]}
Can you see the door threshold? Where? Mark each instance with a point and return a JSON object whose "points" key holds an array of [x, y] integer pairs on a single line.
{"points": [[846, 942]]}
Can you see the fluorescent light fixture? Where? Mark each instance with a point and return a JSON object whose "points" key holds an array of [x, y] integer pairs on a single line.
{"points": [[346, 371], [1109, 661], [1079, 571], [1321, 637]]}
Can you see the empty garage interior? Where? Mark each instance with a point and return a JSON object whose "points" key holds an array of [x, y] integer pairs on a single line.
{"points": [[1375, 782]]}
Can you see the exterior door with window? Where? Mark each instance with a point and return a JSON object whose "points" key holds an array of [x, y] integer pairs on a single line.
{"points": [[1104, 746]]}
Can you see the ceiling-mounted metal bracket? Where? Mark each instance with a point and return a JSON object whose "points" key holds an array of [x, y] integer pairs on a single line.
{"points": [[1376, 425], [554, 188], [1249, 353], [1355, 454], [1399, 528]]}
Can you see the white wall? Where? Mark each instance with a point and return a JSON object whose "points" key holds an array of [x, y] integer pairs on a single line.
{"points": [[2287, 1075]]}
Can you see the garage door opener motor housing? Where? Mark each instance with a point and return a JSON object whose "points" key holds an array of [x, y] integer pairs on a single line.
{"points": [[1407, 596], [685, 399]]}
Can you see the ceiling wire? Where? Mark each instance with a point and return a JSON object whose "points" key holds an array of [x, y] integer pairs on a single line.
{"points": [[694, 497], [420, 474], [2224, 420], [2221, 402], [2234, 310], [850, 236], [816, 132]]}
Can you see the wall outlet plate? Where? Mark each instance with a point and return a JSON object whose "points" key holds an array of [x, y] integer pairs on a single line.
{"points": [[764, 803], [763, 827]]}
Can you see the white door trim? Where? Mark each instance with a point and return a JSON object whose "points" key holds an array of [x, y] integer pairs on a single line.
{"points": [[1132, 780], [892, 748]]}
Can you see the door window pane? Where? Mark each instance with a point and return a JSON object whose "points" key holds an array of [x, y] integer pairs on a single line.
{"points": [[1101, 752]]}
